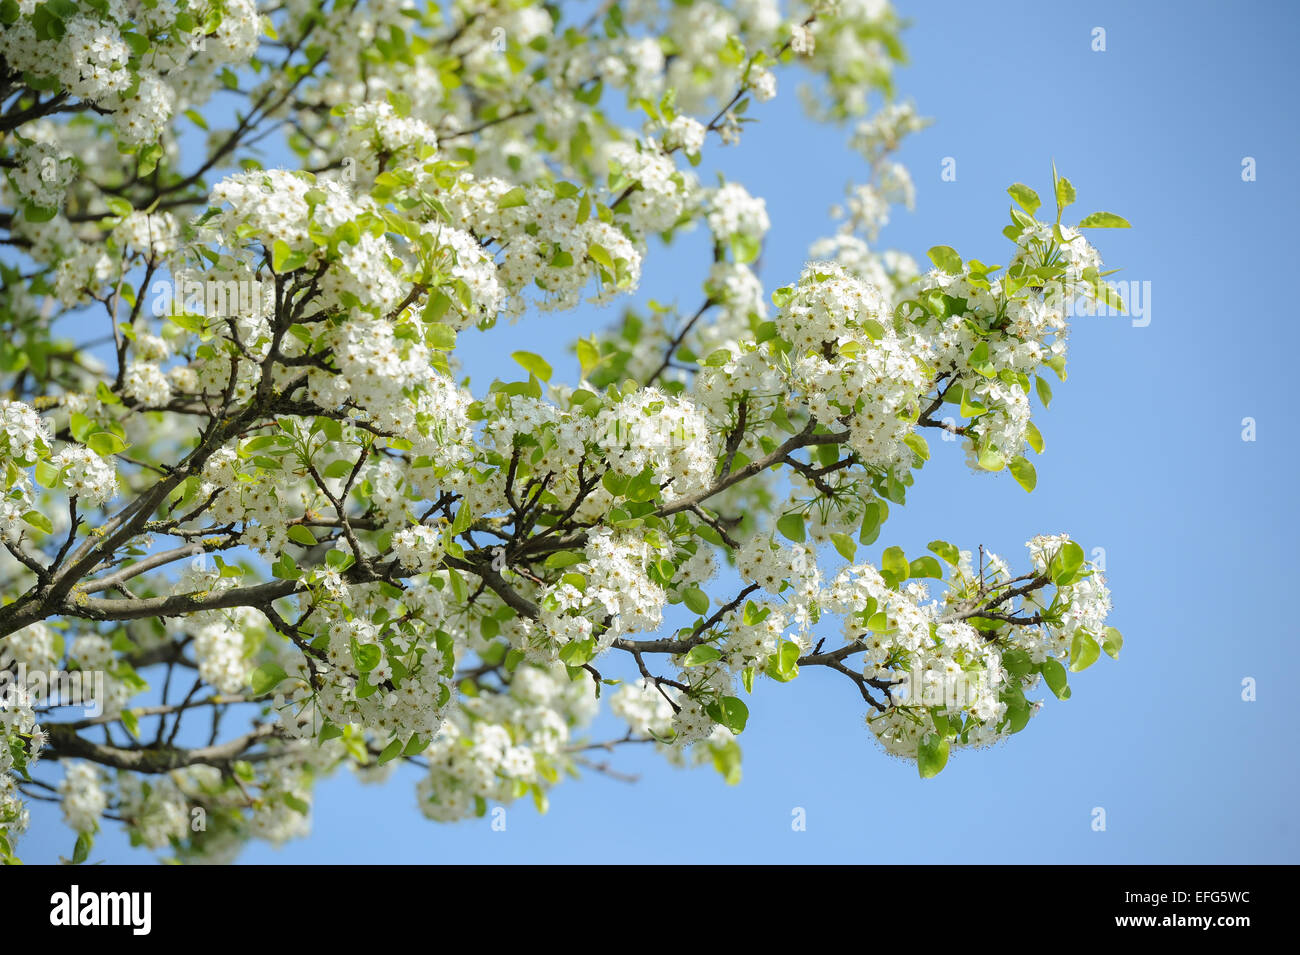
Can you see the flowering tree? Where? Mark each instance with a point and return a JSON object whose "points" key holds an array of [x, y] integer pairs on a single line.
{"points": [[246, 493]]}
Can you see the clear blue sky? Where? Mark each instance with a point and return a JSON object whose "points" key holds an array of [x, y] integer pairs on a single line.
{"points": [[1144, 458]]}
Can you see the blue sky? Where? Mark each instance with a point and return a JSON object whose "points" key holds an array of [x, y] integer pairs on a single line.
{"points": [[1144, 458]]}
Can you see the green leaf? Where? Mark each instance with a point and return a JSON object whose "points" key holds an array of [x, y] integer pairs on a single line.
{"points": [[731, 712], [131, 722], [971, 407], [329, 731], [875, 331], [299, 806], [1066, 563], [35, 213], [366, 656], [726, 759], [515, 197], [105, 443], [1104, 220], [117, 205], [1065, 195], [564, 558], [991, 459], [745, 248], [696, 600], [533, 364], [578, 652], [139, 45], [1044, 390], [931, 755], [39, 521], [752, 616], [1022, 469], [149, 157], [588, 356], [946, 258], [918, 445], [280, 251], [873, 516], [1017, 662], [1018, 714], [1112, 641], [1107, 295], [718, 358], [1056, 678], [439, 336], [616, 484], [463, 520], [792, 527], [925, 567], [1034, 437], [80, 426], [783, 666], [391, 751], [701, 654], [847, 547], [949, 552], [1025, 197], [47, 475], [894, 567], [300, 535], [267, 677], [600, 255], [1084, 651], [81, 851]]}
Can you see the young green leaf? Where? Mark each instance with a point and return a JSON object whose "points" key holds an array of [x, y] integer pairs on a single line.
{"points": [[1104, 220], [533, 364], [946, 258], [1025, 197], [925, 567], [792, 526], [845, 546], [300, 535], [1084, 651], [696, 600], [948, 552], [931, 755], [1066, 563], [701, 654], [1022, 469], [266, 678], [731, 712], [1055, 676], [893, 566]]}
